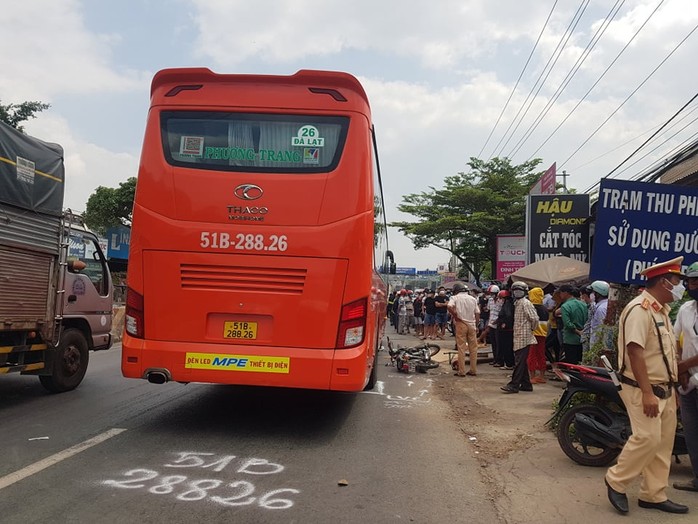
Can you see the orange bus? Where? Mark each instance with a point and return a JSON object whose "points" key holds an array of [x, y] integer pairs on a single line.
{"points": [[259, 239]]}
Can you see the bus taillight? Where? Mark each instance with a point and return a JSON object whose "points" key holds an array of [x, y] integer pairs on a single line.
{"points": [[352, 324], [134, 313]]}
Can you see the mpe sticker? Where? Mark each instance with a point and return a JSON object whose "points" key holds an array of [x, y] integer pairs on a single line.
{"points": [[254, 363]]}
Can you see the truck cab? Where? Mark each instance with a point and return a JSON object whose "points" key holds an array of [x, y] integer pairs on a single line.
{"points": [[88, 289]]}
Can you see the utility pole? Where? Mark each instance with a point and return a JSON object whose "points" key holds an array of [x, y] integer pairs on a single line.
{"points": [[564, 176]]}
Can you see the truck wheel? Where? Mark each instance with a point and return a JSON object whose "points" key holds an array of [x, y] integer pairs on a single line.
{"points": [[70, 363]]}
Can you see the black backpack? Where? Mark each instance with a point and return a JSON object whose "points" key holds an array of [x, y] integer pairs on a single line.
{"points": [[542, 312], [506, 315]]}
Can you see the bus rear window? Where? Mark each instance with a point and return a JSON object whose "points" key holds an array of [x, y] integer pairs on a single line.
{"points": [[253, 142]]}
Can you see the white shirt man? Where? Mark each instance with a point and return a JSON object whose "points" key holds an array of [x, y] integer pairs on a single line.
{"points": [[464, 309]]}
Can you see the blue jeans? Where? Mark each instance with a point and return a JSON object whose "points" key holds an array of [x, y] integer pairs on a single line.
{"points": [[689, 418]]}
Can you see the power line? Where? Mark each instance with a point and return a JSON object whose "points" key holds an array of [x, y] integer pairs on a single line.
{"points": [[649, 174], [621, 146], [597, 81], [629, 166], [570, 75], [518, 79], [591, 188], [655, 134], [630, 95], [556, 54]]}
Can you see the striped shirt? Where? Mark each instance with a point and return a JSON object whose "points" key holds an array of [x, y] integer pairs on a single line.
{"points": [[525, 322]]}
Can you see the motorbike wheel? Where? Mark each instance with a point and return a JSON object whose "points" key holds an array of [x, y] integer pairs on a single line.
{"points": [[584, 453], [419, 351], [422, 367], [433, 349]]}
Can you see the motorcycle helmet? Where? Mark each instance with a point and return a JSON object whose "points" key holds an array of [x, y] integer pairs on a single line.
{"points": [[601, 288], [493, 289], [519, 289], [459, 287], [519, 285], [692, 270], [503, 294]]}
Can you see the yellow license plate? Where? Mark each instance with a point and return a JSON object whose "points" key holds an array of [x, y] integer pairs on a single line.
{"points": [[240, 330]]}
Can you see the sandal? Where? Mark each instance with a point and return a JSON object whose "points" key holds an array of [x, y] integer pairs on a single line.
{"points": [[471, 374], [459, 375]]}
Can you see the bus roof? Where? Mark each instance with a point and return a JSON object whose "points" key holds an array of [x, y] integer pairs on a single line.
{"points": [[171, 87]]}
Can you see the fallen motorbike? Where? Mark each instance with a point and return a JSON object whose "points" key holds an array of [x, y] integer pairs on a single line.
{"points": [[417, 358], [594, 431]]}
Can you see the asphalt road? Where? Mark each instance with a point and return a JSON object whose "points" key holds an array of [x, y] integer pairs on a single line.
{"points": [[122, 450]]}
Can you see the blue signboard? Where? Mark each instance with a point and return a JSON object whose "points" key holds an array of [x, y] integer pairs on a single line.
{"points": [[406, 271], [639, 224], [427, 272], [118, 239]]}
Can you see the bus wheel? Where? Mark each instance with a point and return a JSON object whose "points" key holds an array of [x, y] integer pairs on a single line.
{"points": [[69, 364], [374, 373]]}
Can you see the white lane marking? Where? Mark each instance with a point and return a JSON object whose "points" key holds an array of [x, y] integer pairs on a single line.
{"points": [[23, 473]]}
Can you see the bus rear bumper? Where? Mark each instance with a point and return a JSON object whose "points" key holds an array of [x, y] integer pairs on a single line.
{"points": [[326, 369]]}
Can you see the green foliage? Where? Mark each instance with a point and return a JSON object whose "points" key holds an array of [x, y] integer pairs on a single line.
{"points": [[607, 342], [465, 217], [14, 114], [605, 345], [110, 207]]}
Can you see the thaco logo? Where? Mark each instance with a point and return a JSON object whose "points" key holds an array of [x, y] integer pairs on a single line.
{"points": [[248, 192]]}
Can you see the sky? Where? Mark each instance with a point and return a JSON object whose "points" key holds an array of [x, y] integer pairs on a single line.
{"points": [[438, 76]]}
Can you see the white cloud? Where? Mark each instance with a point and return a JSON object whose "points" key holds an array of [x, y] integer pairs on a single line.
{"points": [[87, 165], [437, 75], [47, 50], [438, 34]]}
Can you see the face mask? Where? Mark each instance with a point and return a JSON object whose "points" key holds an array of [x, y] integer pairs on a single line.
{"points": [[442, 293], [676, 291], [693, 293], [518, 293]]}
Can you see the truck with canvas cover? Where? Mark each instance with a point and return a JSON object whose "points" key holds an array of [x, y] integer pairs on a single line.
{"points": [[55, 286]]}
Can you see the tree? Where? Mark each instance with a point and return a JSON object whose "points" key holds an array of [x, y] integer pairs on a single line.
{"points": [[14, 114], [109, 207], [465, 217]]}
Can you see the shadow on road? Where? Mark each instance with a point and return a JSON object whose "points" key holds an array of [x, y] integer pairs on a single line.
{"points": [[292, 414]]}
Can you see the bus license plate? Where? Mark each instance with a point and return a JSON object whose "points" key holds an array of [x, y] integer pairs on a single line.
{"points": [[241, 330]]}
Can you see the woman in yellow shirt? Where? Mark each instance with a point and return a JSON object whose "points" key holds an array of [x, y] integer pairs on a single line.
{"points": [[536, 355]]}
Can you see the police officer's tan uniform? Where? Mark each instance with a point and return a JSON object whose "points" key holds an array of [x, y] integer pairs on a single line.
{"points": [[648, 451]]}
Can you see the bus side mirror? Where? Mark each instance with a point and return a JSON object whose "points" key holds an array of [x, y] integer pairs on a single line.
{"points": [[392, 267]]}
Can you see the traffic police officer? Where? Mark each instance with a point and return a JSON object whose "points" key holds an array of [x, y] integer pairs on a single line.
{"points": [[647, 359]]}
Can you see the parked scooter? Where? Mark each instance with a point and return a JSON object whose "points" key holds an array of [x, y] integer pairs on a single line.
{"points": [[593, 431]]}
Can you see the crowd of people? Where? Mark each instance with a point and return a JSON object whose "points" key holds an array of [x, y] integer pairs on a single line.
{"points": [[529, 328], [554, 325]]}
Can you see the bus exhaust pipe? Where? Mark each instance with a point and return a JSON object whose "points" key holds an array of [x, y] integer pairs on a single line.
{"points": [[157, 377]]}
